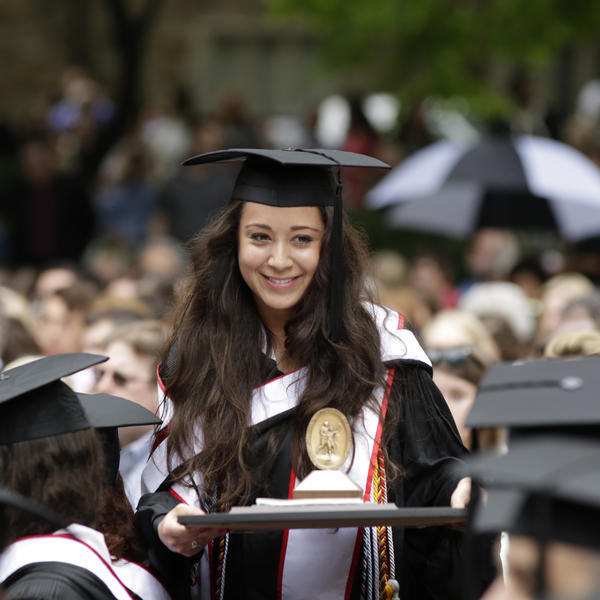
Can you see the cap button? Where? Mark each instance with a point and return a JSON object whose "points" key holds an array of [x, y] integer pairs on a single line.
{"points": [[571, 383]]}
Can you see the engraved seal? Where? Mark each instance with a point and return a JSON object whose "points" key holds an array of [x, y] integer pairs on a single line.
{"points": [[328, 438]]}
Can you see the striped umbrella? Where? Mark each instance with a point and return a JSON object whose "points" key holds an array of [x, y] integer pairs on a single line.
{"points": [[522, 182]]}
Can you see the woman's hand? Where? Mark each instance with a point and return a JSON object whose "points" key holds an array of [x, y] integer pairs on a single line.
{"points": [[185, 539], [461, 496]]}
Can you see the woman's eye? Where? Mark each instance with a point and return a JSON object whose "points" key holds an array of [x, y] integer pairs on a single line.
{"points": [[303, 239], [259, 237]]}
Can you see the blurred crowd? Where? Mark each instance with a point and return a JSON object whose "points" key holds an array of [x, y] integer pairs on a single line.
{"points": [[93, 257]]}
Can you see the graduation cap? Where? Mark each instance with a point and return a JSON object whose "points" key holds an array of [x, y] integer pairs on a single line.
{"points": [[546, 487], [35, 403], [297, 177], [557, 394]]}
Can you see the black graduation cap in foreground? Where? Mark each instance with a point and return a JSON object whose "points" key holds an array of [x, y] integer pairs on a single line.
{"points": [[35, 403], [551, 394], [546, 487], [297, 177]]}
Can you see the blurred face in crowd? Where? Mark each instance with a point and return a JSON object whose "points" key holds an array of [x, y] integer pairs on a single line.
{"points": [[130, 376], [95, 335], [460, 397], [427, 274], [278, 253], [58, 329], [52, 280]]}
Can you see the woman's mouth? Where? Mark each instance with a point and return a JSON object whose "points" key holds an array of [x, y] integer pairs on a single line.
{"points": [[279, 281]]}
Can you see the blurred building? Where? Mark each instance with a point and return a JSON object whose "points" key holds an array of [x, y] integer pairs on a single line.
{"points": [[215, 49]]}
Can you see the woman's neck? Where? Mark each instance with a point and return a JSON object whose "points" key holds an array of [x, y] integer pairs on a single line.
{"points": [[275, 323]]}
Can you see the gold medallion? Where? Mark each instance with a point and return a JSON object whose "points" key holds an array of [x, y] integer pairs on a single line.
{"points": [[328, 438]]}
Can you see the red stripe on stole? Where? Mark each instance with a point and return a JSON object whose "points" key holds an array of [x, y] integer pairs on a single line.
{"points": [[376, 444], [384, 404], [174, 493], [284, 542], [159, 438], [98, 555], [400, 321]]}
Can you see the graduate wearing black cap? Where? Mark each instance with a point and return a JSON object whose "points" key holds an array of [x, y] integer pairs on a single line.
{"points": [[275, 325], [51, 453], [540, 396], [534, 399], [546, 494]]}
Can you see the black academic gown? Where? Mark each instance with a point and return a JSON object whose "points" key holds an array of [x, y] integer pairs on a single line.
{"points": [[56, 581], [426, 444]]}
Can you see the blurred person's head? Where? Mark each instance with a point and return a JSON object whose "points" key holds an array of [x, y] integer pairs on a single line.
{"points": [[417, 306], [432, 274], [506, 312], [57, 459], [461, 350], [54, 278], [510, 346], [108, 259], [586, 309], [16, 325], [558, 292], [530, 276], [543, 493], [457, 372], [573, 343], [454, 327], [492, 254], [61, 319], [126, 287], [388, 268], [16, 306], [130, 372], [22, 342], [105, 315], [162, 258]]}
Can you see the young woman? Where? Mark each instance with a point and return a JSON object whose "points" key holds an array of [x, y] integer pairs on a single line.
{"points": [[51, 454], [276, 325]]}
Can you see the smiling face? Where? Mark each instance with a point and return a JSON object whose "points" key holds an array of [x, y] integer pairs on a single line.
{"points": [[278, 254]]}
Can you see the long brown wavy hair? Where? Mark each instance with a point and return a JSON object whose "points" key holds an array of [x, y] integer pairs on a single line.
{"points": [[61, 472], [66, 473], [219, 358]]}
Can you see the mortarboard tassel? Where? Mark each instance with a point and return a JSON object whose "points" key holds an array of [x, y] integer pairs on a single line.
{"points": [[336, 301], [336, 298]]}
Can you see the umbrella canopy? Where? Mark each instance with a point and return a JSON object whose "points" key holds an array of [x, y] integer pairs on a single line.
{"points": [[521, 182]]}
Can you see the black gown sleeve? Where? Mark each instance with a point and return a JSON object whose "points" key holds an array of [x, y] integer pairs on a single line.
{"points": [[55, 581], [427, 443], [427, 447], [172, 568]]}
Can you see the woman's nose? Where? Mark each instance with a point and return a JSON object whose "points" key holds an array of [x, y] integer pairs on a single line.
{"points": [[280, 257]]}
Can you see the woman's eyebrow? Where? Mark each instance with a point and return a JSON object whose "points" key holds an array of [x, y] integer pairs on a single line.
{"points": [[261, 225], [297, 227], [292, 228]]}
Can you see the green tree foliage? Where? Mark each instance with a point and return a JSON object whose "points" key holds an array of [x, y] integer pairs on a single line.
{"points": [[421, 47]]}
